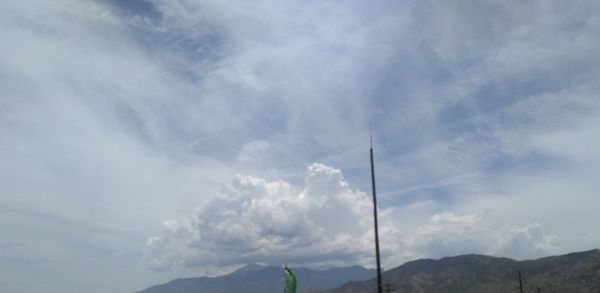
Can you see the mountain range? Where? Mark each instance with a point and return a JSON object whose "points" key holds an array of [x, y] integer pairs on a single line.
{"points": [[263, 279], [570, 273]]}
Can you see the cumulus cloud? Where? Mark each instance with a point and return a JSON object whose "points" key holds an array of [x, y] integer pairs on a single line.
{"points": [[326, 223], [453, 234], [254, 220]]}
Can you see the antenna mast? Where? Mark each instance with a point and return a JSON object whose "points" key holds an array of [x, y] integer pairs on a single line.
{"points": [[379, 282]]}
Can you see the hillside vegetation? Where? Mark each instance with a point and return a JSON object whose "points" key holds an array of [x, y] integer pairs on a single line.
{"points": [[575, 272]]}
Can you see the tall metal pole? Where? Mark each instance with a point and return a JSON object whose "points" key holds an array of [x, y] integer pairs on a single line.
{"points": [[379, 283], [520, 283]]}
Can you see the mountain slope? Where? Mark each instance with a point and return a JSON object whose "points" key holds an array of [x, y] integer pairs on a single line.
{"points": [[575, 272], [259, 279]]}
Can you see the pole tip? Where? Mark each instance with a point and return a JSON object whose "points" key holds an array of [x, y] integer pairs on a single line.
{"points": [[370, 136]]}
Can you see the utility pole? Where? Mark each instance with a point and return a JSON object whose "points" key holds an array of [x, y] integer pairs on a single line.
{"points": [[379, 287], [520, 283]]}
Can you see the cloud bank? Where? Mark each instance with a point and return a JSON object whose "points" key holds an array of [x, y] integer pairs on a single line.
{"points": [[325, 224], [255, 221]]}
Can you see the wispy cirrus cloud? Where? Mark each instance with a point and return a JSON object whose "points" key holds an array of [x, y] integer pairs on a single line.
{"points": [[133, 113]]}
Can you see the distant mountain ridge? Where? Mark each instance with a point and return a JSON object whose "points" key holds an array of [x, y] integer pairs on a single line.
{"points": [[571, 273], [263, 279]]}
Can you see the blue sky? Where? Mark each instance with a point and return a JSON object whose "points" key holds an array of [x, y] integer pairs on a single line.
{"points": [[148, 140]]}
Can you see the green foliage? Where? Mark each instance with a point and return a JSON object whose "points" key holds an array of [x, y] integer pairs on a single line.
{"points": [[290, 281]]}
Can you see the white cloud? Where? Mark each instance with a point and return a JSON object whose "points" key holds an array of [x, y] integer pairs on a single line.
{"points": [[454, 234], [528, 242], [253, 220], [327, 223]]}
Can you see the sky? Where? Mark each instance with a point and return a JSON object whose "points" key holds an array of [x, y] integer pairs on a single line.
{"points": [[145, 140]]}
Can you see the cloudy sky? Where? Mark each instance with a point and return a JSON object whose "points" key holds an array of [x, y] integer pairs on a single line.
{"points": [[143, 140]]}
